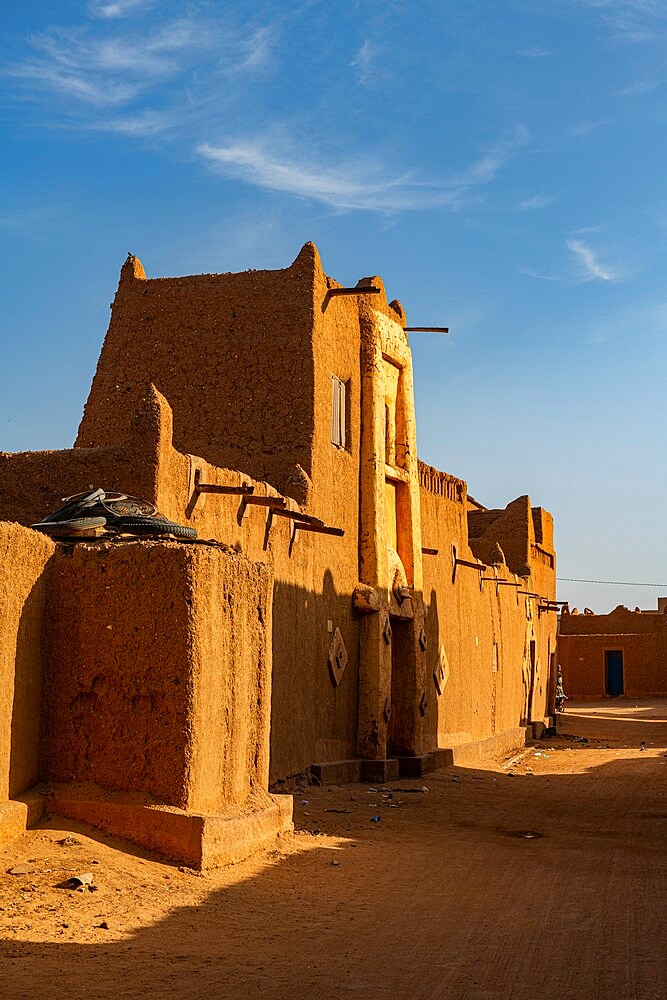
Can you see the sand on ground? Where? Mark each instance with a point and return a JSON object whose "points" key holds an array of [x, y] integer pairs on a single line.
{"points": [[539, 876]]}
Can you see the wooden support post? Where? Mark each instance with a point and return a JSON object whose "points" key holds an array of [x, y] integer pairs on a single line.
{"points": [[296, 515], [426, 329], [473, 565], [276, 502], [361, 290], [466, 562], [234, 490], [273, 503], [322, 529]]}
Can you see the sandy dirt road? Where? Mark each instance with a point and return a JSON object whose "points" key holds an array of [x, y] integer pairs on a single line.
{"points": [[443, 897]]}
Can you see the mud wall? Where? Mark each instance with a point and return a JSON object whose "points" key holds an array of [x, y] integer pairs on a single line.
{"points": [[620, 621], [512, 524], [25, 558], [583, 641], [479, 638], [314, 719], [230, 628], [232, 354], [34, 483], [246, 363], [157, 672], [315, 573]]}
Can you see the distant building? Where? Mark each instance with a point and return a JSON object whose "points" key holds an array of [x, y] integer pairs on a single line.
{"points": [[621, 654]]}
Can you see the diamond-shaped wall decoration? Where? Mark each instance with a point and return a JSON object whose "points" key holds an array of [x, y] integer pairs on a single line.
{"points": [[423, 641], [441, 672], [423, 703], [337, 657], [387, 631], [386, 711]]}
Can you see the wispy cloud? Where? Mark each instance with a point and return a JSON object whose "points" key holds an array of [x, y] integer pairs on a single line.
{"points": [[645, 324], [591, 267], [109, 69], [118, 8], [542, 275], [638, 88], [185, 79], [585, 262], [144, 124], [34, 220], [83, 73], [355, 184], [364, 61], [533, 52], [631, 21], [586, 128], [227, 241], [593, 339], [588, 230], [537, 201], [486, 168], [337, 185]]}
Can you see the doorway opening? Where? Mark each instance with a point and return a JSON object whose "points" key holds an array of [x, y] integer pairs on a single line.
{"points": [[531, 682], [613, 672], [403, 678]]}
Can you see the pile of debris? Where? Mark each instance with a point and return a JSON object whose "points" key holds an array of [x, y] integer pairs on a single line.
{"points": [[107, 513]]}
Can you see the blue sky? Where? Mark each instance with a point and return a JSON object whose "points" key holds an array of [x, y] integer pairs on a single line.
{"points": [[501, 165]]}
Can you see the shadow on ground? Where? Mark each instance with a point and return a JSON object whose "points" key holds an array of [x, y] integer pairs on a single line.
{"points": [[444, 897]]}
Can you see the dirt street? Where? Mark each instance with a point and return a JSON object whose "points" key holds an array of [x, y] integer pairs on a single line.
{"points": [[542, 876]]}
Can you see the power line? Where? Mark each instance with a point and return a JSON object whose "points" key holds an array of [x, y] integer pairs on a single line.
{"points": [[613, 583]]}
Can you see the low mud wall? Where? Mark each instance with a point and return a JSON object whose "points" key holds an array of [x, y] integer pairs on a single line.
{"points": [[157, 672], [25, 558]]}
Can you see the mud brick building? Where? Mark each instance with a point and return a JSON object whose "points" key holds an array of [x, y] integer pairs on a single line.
{"points": [[621, 654], [365, 616]]}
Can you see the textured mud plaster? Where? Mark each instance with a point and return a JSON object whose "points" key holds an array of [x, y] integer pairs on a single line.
{"points": [[231, 664], [157, 675], [488, 643], [34, 483], [208, 343], [392, 678], [24, 562], [511, 527], [641, 636], [312, 719]]}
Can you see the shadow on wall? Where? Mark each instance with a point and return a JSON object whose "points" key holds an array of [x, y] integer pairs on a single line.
{"points": [[26, 702], [311, 708], [304, 927], [308, 708], [437, 670]]}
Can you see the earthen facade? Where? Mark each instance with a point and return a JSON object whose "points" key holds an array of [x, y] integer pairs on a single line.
{"points": [[621, 654], [364, 615]]}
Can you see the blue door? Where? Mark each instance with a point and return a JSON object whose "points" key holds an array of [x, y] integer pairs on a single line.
{"points": [[613, 661]]}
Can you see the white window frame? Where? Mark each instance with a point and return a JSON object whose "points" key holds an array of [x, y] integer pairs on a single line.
{"points": [[338, 401]]}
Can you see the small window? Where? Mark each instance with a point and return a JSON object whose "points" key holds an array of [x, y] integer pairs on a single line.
{"points": [[337, 412]]}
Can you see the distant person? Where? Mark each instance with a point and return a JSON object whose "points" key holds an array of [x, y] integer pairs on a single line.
{"points": [[561, 697]]}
